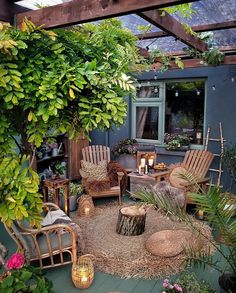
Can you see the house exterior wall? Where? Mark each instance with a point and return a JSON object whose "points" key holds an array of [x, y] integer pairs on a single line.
{"points": [[220, 106]]}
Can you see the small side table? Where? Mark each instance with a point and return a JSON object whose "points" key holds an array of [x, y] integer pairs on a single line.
{"points": [[55, 185]]}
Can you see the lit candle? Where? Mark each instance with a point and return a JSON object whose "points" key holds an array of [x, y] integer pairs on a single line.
{"points": [[198, 135], [143, 161], [86, 210], [84, 279], [150, 162], [140, 169], [200, 214]]}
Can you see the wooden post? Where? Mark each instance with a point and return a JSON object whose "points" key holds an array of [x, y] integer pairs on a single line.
{"points": [[131, 221]]}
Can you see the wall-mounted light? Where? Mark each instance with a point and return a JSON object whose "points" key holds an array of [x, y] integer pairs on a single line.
{"points": [[198, 92], [176, 93], [213, 87]]}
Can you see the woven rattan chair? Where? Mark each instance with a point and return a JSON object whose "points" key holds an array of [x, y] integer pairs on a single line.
{"points": [[95, 154], [46, 242]]}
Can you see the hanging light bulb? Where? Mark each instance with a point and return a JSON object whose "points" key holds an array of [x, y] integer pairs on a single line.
{"points": [[232, 79], [155, 77], [155, 90], [213, 87], [176, 93], [198, 92]]}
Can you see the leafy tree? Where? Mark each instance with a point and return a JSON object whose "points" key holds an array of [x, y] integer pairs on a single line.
{"points": [[68, 80]]}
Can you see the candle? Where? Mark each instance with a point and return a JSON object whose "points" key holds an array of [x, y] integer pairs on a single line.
{"points": [[140, 169], [198, 135], [150, 162], [84, 279], [146, 169], [143, 161], [200, 214], [86, 210]]}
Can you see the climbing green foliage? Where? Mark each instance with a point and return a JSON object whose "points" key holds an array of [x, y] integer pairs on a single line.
{"points": [[68, 80], [19, 197]]}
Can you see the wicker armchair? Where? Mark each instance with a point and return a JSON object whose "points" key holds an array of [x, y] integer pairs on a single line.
{"points": [[44, 244]]}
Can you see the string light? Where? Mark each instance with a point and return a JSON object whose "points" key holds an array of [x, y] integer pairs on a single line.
{"points": [[232, 79], [213, 87], [176, 93], [155, 77], [198, 92]]}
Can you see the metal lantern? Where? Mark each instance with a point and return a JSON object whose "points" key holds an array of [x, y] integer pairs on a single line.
{"points": [[86, 206], [83, 272]]}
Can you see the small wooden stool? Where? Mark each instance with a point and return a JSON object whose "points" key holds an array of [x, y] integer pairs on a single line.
{"points": [[55, 185]]}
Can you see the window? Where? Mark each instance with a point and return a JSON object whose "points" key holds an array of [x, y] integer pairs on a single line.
{"points": [[169, 107]]}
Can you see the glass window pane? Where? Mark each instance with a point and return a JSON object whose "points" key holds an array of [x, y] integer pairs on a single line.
{"points": [[147, 122], [184, 112], [148, 91]]}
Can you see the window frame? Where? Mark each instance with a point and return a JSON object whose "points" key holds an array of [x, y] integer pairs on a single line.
{"points": [[161, 102]]}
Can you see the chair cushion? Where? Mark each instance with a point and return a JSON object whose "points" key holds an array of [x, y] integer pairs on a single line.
{"points": [[175, 176], [94, 171]]}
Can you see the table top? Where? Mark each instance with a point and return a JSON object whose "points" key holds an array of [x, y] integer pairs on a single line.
{"points": [[153, 175]]}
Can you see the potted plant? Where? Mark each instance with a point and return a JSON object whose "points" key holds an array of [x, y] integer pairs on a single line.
{"points": [[54, 149], [76, 189], [177, 142], [215, 205], [125, 153], [58, 169], [19, 277]]}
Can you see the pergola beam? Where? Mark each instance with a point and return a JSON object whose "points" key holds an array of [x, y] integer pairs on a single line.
{"points": [[80, 11], [194, 63], [197, 29], [170, 25], [8, 9]]}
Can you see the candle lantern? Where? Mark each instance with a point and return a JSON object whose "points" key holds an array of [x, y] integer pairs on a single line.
{"points": [[86, 206], [83, 272]]}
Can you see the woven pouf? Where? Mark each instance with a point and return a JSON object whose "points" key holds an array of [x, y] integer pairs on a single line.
{"points": [[167, 243]]}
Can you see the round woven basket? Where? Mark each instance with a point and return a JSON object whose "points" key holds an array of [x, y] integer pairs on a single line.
{"points": [[83, 272]]}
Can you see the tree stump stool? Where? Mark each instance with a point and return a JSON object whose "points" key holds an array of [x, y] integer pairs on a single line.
{"points": [[131, 221]]}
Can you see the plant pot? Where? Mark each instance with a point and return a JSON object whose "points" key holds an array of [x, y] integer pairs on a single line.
{"points": [[227, 283], [127, 161], [72, 202], [55, 152]]}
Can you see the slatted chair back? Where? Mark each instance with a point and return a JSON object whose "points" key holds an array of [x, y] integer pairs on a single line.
{"points": [[198, 162], [96, 153]]}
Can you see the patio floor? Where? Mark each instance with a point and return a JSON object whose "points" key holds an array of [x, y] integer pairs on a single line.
{"points": [[105, 283]]}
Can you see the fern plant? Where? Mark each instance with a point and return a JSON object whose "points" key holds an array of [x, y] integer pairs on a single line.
{"points": [[215, 204]]}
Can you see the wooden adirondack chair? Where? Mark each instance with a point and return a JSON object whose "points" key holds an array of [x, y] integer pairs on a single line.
{"points": [[95, 154], [196, 163]]}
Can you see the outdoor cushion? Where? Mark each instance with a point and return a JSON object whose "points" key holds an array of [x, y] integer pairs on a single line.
{"points": [[175, 176], [94, 171], [167, 243]]}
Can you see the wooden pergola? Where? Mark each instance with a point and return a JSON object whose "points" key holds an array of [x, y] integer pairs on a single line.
{"points": [[81, 11]]}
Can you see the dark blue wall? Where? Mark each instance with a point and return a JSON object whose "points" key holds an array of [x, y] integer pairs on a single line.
{"points": [[220, 107]]}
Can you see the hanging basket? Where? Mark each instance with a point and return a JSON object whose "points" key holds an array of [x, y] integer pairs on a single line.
{"points": [[86, 206], [83, 272]]}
